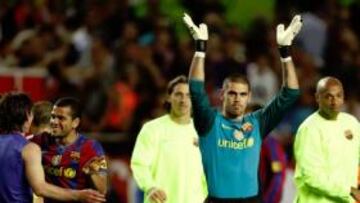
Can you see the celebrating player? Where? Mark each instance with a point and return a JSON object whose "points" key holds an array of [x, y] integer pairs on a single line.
{"points": [[21, 168], [71, 160], [230, 140]]}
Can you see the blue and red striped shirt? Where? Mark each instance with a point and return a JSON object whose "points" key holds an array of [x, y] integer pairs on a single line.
{"points": [[67, 166], [273, 163]]}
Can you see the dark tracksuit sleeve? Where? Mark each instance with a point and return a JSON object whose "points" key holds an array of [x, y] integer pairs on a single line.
{"points": [[204, 115], [275, 110]]}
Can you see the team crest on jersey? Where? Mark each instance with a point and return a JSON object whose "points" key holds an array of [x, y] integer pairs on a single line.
{"points": [[276, 166], [238, 135], [55, 161], [247, 127], [195, 142], [348, 134]]}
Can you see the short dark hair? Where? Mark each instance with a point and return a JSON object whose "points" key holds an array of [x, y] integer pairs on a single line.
{"points": [[71, 102], [15, 108], [238, 78], [181, 79], [42, 113]]}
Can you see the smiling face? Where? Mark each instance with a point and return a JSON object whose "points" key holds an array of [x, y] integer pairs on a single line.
{"points": [[62, 123], [330, 97], [235, 96]]}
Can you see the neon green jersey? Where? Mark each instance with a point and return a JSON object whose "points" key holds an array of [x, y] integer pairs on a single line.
{"points": [[167, 156], [327, 158]]}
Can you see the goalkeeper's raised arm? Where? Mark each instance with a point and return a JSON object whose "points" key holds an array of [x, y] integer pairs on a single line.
{"points": [[200, 35], [284, 38]]}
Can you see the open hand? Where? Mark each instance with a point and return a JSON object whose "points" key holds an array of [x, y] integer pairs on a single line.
{"points": [[285, 37], [89, 195], [198, 32]]}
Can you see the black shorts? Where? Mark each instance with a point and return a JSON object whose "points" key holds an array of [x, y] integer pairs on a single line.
{"points": [[255, 199]]}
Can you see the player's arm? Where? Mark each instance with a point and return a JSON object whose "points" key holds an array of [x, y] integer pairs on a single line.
{"points": [[200, 35], [274, 111], [203, 114], [355, 192], [142, 160], [98, 174], [143, 156], [96, 165], [100, 182], [284, 38], [31, 155]]}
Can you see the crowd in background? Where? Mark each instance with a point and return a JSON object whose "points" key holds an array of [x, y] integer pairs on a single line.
{"points": [[117, 56]]}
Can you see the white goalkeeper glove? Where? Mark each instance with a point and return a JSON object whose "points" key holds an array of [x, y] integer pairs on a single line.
{"points": [[199, 33], [284, 37]]}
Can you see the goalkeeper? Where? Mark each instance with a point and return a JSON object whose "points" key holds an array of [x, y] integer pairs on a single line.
{"points": [[230, 140]]}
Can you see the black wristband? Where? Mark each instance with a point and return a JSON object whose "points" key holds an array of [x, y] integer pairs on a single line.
{"points": [[284, 51], [200, 45]]}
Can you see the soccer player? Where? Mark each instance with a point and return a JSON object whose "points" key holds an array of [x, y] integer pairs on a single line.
{"points": [[327, 149], [40, 125], [166, 160], [42, 114], [70, 159], [21, 170], [230, 140], [273, 163]]}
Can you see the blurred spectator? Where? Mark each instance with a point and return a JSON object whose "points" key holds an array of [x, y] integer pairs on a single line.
{"points": [[115, 55]]}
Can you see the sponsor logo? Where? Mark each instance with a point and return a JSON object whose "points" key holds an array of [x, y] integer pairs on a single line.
{"points": [[238, 145], [69, 173], [348, 134], [55, 161], [60, 171]]}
